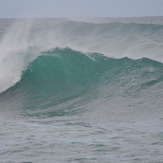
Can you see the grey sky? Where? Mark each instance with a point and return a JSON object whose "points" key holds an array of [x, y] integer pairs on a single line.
{"points": [[80, 8]]}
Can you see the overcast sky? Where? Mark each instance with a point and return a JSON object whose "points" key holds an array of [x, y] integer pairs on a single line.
{"points": [[80, 8]]}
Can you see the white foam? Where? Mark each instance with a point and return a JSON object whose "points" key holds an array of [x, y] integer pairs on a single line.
{"points": [[13, 51]]}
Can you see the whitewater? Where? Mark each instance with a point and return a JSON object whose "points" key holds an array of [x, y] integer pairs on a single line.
{"points": [[81, 90]]}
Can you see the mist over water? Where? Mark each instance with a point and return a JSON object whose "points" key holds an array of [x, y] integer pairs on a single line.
{"points": [[24, 41], [81, 91]]}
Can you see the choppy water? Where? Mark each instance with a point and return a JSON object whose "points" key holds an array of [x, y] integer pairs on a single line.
{"points": [[80, 92]]}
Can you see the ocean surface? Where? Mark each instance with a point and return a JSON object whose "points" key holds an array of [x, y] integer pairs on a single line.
{"points": [[81, 91]]}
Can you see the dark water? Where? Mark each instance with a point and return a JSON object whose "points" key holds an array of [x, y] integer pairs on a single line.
{"points": [[63, 104]]}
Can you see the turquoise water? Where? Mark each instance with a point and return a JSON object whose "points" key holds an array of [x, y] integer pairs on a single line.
{"points": [[59, 103]]}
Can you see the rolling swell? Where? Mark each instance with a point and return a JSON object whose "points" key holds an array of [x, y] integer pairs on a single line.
{"points": [[59, 81]]}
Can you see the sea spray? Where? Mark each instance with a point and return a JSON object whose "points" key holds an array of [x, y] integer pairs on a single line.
{"points": [[14, 48], [26, 39]]}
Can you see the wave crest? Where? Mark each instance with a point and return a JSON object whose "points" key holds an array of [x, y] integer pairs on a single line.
{"points": [[65, 76], [25, 40]]}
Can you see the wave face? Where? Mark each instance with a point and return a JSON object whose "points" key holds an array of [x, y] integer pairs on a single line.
{"points": [[25, 40], [80, 92], [63, 75]]}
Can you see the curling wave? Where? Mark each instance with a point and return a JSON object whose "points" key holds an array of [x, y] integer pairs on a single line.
{"points": [[65, 76]]}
